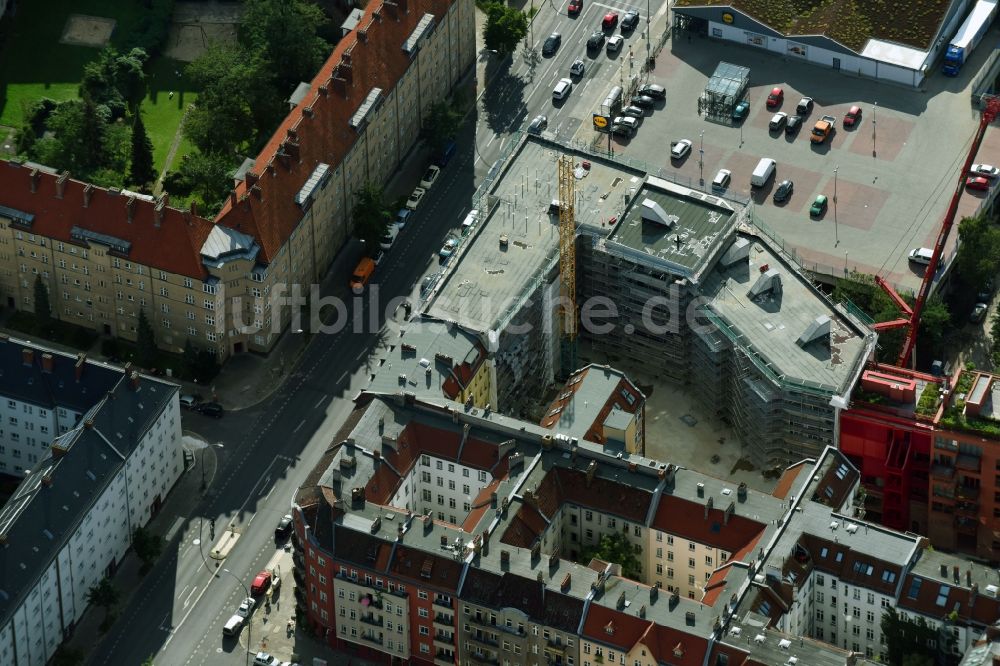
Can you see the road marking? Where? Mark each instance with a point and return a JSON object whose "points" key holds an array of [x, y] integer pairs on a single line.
{"points": [[183, 591], [188, 600], [341, 378], [173, 632], [254, 515], [301, 423], [320, 402], [490, 142]]}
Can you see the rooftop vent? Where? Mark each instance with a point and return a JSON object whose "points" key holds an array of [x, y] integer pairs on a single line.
{"points": [[737, 252], [769, 282], [819, 328], [652, 212]]}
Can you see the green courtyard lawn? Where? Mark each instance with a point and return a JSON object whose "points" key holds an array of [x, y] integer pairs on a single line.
{"points": [[34, 64]]}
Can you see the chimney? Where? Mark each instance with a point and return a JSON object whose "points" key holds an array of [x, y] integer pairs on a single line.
{"points": [[339, 85], [741, 492], [35, 177], [391, 9], [529, 498], [256, 192], [621, 601], [729, 512], [591, 471], [47, 362], [47, 481], [968, 577], [158, 211], [944, 571], [399, 533], [536, 552], [708, 507], [27, 356], [81, 360], [232, 198], [701, 489], [88, 191], [130, 209], [504, 559], [251, 179], [61, 184], [376, 456], [957, 574], [89, 424], [133, 381], [654, 592]]}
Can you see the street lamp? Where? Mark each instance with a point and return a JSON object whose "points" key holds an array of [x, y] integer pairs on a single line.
{"points": [[701, 157], [249, 615], [648, 39], [874, 106], [836, 232]]}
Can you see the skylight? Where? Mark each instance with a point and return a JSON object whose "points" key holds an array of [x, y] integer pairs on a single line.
{"points": [[914, 588], [942, 598]]}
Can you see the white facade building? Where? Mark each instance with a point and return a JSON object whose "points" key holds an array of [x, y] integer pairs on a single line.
{"points": [[71, 520]]}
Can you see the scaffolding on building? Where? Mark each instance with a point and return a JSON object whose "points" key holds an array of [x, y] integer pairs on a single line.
{"points": [[727, 88]]}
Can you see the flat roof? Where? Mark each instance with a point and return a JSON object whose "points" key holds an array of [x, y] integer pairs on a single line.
{"points": [[698, 222], [483, 283], [770, 324]]}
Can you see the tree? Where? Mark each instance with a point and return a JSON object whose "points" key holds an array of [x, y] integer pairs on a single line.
{"points": [[66, 656], [284, 31], [908, 643], [147, 545], [43, 308], [141, 171], [371, 216], [505, 27], [145, 342], [618, 549], [441, 124], [205, 176], [104, 595], [978, 258]]}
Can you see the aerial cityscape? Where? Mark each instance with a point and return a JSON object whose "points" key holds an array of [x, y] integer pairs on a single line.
{"points": [[499, 333]]}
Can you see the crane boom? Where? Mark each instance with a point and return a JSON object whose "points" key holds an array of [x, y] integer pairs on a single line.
{"points": [[988, 115]]}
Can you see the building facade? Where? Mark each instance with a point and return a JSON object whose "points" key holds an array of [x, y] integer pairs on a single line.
{"points": [[109, 470]]}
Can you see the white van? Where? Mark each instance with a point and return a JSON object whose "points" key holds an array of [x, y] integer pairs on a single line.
{"points": [[764, 172], [233, 626], [921, 255], [470, 221]]}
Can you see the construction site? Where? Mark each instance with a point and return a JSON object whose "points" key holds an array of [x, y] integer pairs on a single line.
{"points": [[576, 249]]}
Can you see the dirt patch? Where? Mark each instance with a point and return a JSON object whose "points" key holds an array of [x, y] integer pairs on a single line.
{"points": [[743, 465], [196, 25], [83, 30]]}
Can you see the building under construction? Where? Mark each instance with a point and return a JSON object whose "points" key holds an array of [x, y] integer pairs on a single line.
{"points": [[683, 288]]}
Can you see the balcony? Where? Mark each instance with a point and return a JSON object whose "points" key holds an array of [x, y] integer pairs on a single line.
{"points": [[965, 525], [444, 641], [371, 637], [442, 658], [965, 492], [372, 619], [968, 462], [442, 620], [967, 508], [943, 472], [480, 637], [480, 658], [555, 646], [443, 602]]}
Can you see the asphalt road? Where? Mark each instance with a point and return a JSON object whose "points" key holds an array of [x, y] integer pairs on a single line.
{"points": [[267, 450]]}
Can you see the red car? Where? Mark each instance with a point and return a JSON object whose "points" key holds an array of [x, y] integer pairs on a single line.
{"points": [[610, 21], [261, 583], [977, 183], [575, 7], [852, 117], [776, 97]]}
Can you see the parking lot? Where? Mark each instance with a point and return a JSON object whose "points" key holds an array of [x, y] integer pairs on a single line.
{"points": [[894, 173]]}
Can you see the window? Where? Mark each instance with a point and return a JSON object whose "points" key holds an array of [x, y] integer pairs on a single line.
{"points": [[588, 515], [670, 540], [690, 545], [708, 560], [819, 614], [691, 563]]}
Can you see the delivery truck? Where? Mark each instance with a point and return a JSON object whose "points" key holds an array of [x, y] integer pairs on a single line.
{"points": [[968, 36]]}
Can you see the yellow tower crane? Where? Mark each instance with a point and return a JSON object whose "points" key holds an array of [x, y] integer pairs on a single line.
{"points": [[567, 261]]}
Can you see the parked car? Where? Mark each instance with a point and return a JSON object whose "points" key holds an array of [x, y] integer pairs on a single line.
{"points": [[977, 183], [615, 44], [428, 283], [778, 121], [921, 255], [634, 111], [985, 170], [563, 86], [246, 607], [793, 125], [212, 409], [551, 44], [389, 238], [852, 117], [985, 294], [978, 314], [721, 180], [188, 401], [265, 659], [538, 124], [284, 528], [805, 106], [741, 110], [776, 97], [643, 101], [680, 149], [784, 191], [818, 206], [577, 68], [626, 121], [430, 177], [595, 41], [653, 90], [260, 583], [630, 20], [574, 7], [402, 217], [609, 21], [378, 256], [413, 202], [448, 248]]}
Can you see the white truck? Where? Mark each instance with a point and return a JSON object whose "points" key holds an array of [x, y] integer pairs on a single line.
{"points": [[763, 172]]}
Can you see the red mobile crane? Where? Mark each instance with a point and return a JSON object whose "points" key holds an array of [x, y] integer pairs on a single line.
{"points": [[912, 316]]}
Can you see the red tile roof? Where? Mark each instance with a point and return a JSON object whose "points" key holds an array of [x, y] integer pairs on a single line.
{"points": [[985, 609], [425, 569], [610, 627], [686, 519], [265, 206], [677, 648], [595, 430], [787, 480], [173, 245]]}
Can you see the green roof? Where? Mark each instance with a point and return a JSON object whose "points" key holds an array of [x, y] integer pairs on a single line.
{"points": [[914, 23]]}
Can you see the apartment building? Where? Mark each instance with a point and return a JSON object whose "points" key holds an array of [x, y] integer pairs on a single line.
{"points": [[512, 582], [929, 455], [71, 519], [106, 254], [600, 404]]}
